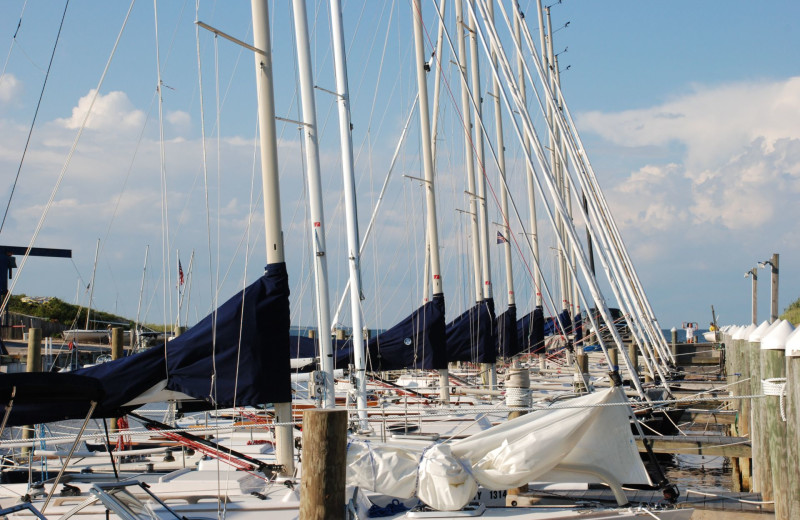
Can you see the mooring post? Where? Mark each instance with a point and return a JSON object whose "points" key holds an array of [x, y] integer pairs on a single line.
{"points": [[117, 351], [633, 354], [745, 411], [32, 364], [674, 343], [792, 403], [773, 372], [613, 353], [760, 483], [322, 487]]}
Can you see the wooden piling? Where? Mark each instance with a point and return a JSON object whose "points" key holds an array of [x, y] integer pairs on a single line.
{"points": [[116, 343], [760, 481], [737, 372], [792, 403], [633, 354], [773, 365], [117, 351], [324, 462], [614, 355], [745, 407], [33, 363]]}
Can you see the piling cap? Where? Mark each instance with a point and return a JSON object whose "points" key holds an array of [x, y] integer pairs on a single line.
{"points": [[760, 331], [744, 332], [793, 344], [776, 339]]}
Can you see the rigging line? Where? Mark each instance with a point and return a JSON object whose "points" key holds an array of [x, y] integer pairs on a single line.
{"points": [[38, 104], [213, 292], [167, 292], [594, 190], [513, 203], [67, 161], [556, 200], [13, 39]]}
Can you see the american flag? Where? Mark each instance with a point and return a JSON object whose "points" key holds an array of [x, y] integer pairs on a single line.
{"points": [[180, 273]]}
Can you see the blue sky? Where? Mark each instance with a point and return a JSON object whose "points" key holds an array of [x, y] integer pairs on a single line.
{"points": [[688, 110]]}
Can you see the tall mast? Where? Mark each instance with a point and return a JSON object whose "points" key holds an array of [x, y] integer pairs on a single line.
{"points": [[534, 225], [346, 146], [501, 163], [272, 203], [427, 162], [309, 129], [468, 152], [483, 217]]}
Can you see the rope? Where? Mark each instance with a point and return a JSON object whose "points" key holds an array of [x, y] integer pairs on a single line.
{"points": [[775, 386], [38, 103], [392, 508]]}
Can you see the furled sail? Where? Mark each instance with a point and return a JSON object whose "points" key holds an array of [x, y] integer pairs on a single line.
{"points": [[576, 442], [238, 355], [416, 342], [508, 341], [530, 331], [472, 335]]}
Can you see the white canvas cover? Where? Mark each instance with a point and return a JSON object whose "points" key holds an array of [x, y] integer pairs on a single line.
{"points": [[544, 445]]}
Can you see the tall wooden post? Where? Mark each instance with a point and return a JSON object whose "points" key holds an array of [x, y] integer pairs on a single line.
{"points": [[773, 308], [324, 463], [117, 351], [773, 365], [32, 364], [761, 483], [792, 402], [633, 354]]}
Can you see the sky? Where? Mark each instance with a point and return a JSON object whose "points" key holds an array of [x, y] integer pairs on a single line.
{"points": [[688, 112]]}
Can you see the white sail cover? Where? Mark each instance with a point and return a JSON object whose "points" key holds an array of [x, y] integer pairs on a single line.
{"points": [[553, 445]]}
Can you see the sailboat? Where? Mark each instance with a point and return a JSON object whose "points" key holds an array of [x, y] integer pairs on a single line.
{"points": [[238, 356]]}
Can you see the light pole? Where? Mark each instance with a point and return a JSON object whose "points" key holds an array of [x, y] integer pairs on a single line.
{"points": [[753, 273], [773, 308]]}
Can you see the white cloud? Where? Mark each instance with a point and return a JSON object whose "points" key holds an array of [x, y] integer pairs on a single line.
{"points": [[110, 112], [740, 163], [180, 120], [714, 123], [10, 88]]}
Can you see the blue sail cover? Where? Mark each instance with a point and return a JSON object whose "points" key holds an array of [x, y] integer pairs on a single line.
{"points": [[578, 329], [508, 344], [236, 356], [531, 331], [416, 342], [47, 396], [564, 323], [472, 336]]}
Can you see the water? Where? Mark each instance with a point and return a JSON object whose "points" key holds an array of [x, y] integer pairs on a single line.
{"points": [[699, 472]]}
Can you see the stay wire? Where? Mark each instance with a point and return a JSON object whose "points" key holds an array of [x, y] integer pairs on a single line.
{"points": [[38, 105]]}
